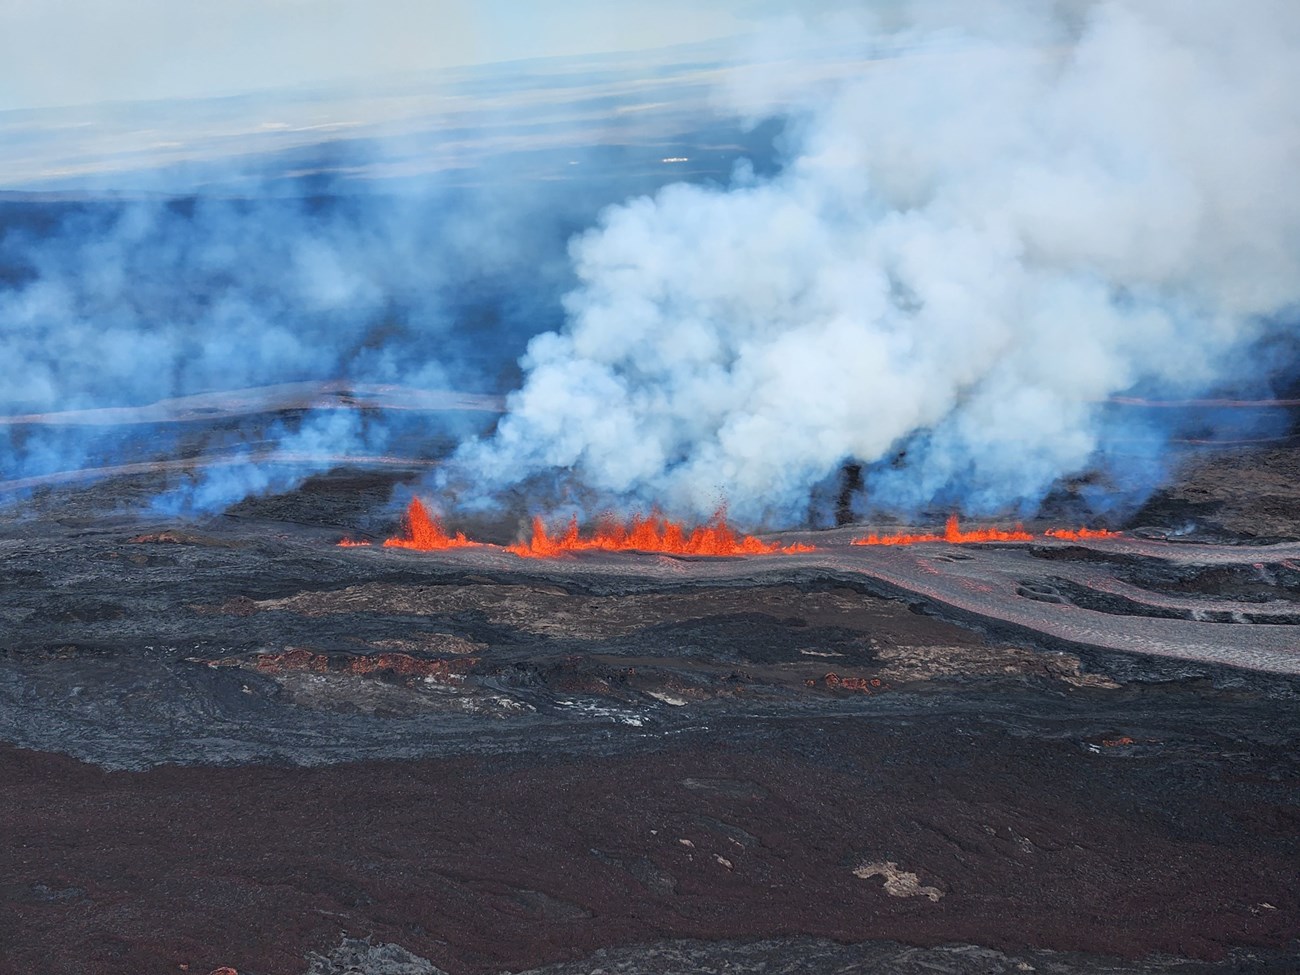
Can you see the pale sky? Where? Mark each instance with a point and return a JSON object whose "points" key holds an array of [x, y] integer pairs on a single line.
{"points": [[65, 52]]}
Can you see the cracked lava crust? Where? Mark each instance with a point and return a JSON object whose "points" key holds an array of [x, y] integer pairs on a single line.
{"points": [[238, 744]]}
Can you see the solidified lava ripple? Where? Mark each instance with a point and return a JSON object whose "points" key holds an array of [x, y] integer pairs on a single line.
{"points": [[237, 743]]}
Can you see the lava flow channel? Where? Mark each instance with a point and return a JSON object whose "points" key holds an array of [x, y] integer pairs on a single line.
{"points": [[953, 534], [650, 535]]}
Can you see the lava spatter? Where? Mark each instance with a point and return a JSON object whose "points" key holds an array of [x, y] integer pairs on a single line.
{"points": [[424, 532], [1080, 534], [954, 534], [650, 534]]}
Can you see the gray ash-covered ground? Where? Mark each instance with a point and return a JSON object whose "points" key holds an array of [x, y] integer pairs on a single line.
{"points": [[230, 742]]}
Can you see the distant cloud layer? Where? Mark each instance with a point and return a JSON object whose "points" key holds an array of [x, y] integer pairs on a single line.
{"points": [[57, 52]]}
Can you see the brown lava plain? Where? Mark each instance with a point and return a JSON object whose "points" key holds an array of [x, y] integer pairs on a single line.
{"points": [[233, 743]]}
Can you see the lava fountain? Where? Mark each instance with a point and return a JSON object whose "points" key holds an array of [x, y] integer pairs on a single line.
{"points": [[421, 531], [424, 532], [651, 534]]}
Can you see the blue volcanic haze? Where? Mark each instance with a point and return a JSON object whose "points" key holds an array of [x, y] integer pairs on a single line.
{"points": [[935, 246]]}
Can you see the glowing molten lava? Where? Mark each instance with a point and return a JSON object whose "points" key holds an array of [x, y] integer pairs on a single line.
{"points": [[424, 532], [1079, 534], [650, 535], [955, 535], [952, 533]]}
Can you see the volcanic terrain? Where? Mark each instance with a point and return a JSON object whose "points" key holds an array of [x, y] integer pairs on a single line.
{"points": [[335, 352], [235, 742]]}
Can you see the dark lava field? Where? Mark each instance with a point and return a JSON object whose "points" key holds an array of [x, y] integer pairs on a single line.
{"points": [[230, 742]]}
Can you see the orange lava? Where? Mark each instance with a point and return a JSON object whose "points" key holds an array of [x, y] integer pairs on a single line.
{"points": [[953, 534], [424, 532], [1079, 534], [650, 534], [900, 539]]}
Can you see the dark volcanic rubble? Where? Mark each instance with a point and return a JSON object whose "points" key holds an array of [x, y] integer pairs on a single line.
{"points": [[235, 743]]}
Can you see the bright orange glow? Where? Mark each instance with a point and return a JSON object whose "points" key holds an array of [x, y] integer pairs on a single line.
{"points": [[424, 532], [952, 532], [955, 535], [899, 539], [650, 534], [1079, 534]]}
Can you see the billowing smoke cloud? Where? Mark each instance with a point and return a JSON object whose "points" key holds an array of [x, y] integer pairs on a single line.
{"points": [[129, 302], [122, 303], [972, 246], [412, 234], [312, 446]]}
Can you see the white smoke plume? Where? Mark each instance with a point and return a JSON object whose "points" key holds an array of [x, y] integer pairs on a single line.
{"points": [[973, 244], [248, 254]]}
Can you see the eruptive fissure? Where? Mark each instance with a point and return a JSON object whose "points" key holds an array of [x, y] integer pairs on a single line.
{"points": [[1080, 534], [424, 532], [652, 534], [954, 534]]}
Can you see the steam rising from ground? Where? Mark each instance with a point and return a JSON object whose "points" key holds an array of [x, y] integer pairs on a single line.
{"points": [[410, 233], [971, 246], [973, 236], [128, 303]]}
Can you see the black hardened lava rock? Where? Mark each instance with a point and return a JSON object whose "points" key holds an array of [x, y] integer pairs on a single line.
{"points": [[233, 743]]}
